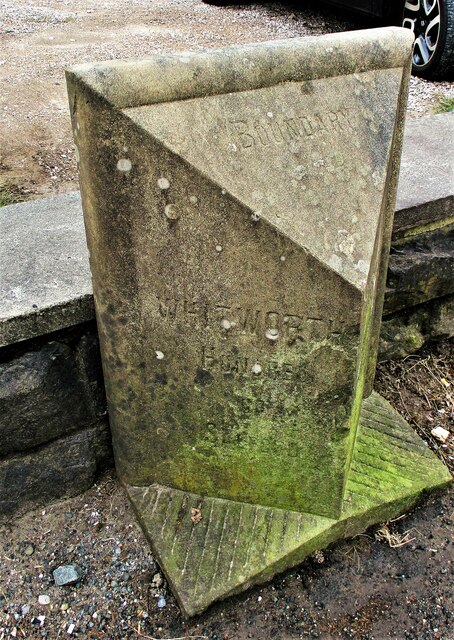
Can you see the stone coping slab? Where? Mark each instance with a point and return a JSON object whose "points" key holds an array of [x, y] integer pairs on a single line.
{"points": [[426, 186], [210, 548], [45, 279]]}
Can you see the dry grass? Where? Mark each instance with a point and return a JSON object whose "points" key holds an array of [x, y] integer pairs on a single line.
{"points": [[421, 388], [10, 193], [394, 539]]}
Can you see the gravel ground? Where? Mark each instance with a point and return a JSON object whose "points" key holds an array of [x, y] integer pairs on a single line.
{"points": [[40, 39], [395, 581]]}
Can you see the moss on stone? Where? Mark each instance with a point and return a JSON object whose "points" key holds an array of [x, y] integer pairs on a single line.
{"points": [[405, 235], [241, 442], [236, 544]]}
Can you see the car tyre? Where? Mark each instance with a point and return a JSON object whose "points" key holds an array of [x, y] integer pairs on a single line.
{"points": [[432, 22]]}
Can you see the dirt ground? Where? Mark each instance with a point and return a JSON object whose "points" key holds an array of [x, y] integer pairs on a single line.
{"points": [[394, 581], [40, 39]]}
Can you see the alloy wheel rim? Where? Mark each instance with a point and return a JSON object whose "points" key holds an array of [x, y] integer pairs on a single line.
{"points": [[423, 18]]}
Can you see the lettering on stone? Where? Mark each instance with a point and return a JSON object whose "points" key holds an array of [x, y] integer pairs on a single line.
{"points": [[278, 130], [229, 319], [229, 362]]}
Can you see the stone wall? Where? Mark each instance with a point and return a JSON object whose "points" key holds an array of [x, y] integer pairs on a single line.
{"points": [[54, 430], [406, 331]]}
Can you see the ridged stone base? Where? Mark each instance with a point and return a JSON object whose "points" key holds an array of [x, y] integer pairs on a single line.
{"points": [[235, 545]]}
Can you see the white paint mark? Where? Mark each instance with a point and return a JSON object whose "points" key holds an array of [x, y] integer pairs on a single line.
{"points": [[163, 183], [227, 324], [124, 165], [361, 266], [272, 334], [171, 212], [440, 434], [336, 263]]}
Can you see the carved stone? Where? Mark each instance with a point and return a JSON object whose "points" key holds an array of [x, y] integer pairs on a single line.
{"points": [[238, 206]]}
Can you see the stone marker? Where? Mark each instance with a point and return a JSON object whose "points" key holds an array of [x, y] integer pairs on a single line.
{"points": [[238, 206]]}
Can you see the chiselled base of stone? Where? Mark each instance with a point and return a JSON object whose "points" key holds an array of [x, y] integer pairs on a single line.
{"points": [[211, 548]]}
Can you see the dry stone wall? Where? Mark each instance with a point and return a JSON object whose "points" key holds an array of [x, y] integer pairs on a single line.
{"points": [[54, 430]]}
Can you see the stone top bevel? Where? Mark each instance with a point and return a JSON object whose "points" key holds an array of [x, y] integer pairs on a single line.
{"points": [[288, 233], [203, 132], [171, 77]]}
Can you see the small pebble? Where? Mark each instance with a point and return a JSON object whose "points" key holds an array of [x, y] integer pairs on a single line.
{"points": [[157, 580], [43, 599], [440, 434], [66, 574], [161, 602]]}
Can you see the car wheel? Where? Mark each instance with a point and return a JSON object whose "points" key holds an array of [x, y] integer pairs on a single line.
{"points": [[432, 22]]}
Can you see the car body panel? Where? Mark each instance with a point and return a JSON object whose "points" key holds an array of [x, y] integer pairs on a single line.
{"points": [[371, 7]]}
